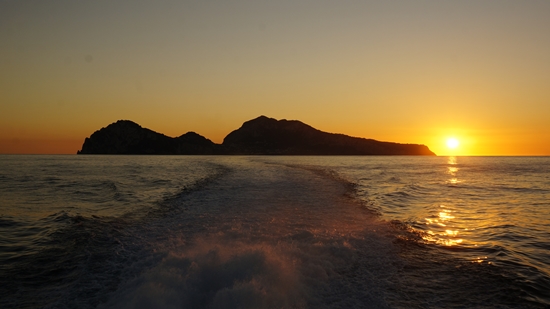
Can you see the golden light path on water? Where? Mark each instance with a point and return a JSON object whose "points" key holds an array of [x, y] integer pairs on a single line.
{"points": [[445, 228]]}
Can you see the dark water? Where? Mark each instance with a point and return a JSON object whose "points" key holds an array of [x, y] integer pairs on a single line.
{"points": [[274, 232]]}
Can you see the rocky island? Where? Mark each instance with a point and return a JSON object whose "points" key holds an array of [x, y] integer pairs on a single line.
{"points": [[259, 136]]}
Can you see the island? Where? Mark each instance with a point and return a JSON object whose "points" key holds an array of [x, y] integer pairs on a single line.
{"points": [[259, 136]]}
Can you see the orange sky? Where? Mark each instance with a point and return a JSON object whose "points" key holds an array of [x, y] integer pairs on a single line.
{"points": [[405, 71]]}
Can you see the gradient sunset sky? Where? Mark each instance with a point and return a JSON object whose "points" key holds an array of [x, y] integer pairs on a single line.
{"points": [[402, 71]]}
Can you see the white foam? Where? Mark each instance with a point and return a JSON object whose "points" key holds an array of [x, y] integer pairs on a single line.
{"points": [[267, 237]]}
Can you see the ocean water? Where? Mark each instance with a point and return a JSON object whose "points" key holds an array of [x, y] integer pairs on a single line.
{"points": [[274, 232]]}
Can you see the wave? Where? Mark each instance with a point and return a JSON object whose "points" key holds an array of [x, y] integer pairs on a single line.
{"points": [[77, 259], [343, 252], [258, 233], [436, 274], [265, 238], [73, 254]]}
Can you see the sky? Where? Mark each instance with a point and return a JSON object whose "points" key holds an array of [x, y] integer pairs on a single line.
{"points": [[402, 71]]}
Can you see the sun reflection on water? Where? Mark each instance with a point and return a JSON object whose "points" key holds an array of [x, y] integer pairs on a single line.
{"points": [[445, 226], [448, 236], [441, 226], [452, 160], [452, 170]]}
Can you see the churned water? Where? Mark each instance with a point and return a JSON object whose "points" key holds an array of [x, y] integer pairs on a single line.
{"points": [[274, 232]]}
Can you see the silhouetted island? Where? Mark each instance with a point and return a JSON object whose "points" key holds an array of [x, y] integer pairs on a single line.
{"points": [[260, 136]]}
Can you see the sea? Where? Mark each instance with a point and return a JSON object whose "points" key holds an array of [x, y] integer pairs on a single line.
{"points": [[94, 231]]}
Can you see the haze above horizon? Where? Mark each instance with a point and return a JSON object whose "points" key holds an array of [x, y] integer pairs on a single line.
{"points": [[409, 72]]}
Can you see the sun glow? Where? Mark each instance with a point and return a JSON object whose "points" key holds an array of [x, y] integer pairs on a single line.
{"points": [[452, 143]]}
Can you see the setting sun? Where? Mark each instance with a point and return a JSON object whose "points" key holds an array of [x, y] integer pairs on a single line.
{"points": [[452, 143]]}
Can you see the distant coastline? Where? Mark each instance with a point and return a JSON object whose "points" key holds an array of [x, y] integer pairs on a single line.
{"points": [[259, 136]]}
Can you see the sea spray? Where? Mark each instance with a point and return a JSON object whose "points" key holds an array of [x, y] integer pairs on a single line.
{"points": [[271, 232], [267, 238]]}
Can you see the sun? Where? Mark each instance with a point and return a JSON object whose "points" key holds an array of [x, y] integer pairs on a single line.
{"points": [[452, 143]]}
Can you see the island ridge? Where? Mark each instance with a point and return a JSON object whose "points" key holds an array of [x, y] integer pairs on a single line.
{"points": [[259, 136]]}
